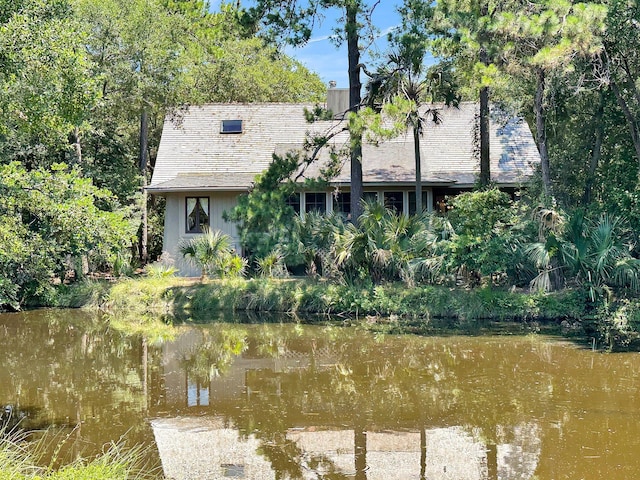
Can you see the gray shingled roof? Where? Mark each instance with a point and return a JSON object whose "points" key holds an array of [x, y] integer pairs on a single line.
{"points": [[194, 155]]}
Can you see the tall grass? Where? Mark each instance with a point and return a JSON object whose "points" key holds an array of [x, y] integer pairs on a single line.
{"points": [[19, 460], [15, 461], [79, 294], [150, 295], [148, 298]]}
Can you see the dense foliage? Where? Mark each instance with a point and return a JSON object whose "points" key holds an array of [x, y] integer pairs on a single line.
{"points": [[213, 254], [51, 222], [486, 238], [570, 69], [89, 83]]}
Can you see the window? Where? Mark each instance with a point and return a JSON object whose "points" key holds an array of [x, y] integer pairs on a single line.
{"points": [[370, 197], [342, 204], [315, 202], [441, 198], [394, 201], [197, 394], [231, 126], [294, 202], [412, 202], [197, 214]]}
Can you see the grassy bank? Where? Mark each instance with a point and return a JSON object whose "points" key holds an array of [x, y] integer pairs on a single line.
{"points": [[614, 323], [184, 298]]}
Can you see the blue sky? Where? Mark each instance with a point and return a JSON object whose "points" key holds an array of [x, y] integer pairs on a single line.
{"points": [[321, 55]]}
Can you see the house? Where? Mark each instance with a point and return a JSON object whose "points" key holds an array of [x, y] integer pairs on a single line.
{"points": [[209, 155]]}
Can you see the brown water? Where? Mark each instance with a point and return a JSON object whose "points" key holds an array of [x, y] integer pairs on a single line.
{"points": [[289, 401]]}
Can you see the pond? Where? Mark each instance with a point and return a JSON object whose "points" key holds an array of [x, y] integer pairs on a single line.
{"points": [[267, 401]]}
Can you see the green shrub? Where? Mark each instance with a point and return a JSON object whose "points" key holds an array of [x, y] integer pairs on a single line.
{"points": [[19, 462], [212, 253], [80, 294], [8, 295], [160, 270], [488, 231], [233, 266], [272, 265], [49, 218], [619, 324]]}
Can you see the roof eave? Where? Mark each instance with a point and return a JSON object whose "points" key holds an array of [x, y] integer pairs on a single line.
{"points": [[160, 190]]}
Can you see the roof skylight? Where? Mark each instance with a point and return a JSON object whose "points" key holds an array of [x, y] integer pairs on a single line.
{"points": [[231, 126]]}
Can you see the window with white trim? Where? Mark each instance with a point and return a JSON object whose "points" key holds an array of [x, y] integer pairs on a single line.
{"points": [[394, 201], [315, 202], [294, 202], [370, 197], [342, 204], [412, 202]]}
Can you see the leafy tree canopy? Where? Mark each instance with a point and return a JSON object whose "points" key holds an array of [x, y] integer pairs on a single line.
{"points": [[50, 219]]}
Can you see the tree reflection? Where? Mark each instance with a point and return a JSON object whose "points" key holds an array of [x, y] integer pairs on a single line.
{"points": [[215, 353], [329, 402], [494, 394], [70, 371]]}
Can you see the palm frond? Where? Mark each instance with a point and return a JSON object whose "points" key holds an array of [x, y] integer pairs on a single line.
{"points": [[538, 254]]}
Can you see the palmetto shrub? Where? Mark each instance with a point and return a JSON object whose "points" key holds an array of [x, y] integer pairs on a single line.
{"points": [[594, 254], [312, 240], [272, 265], [382, 246], [212, 253]]}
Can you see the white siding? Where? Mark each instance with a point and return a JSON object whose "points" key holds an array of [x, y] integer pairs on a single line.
{"points": [[175, 224]]}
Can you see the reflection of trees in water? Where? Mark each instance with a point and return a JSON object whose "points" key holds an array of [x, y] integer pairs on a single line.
{"points": [[12, 417], [215, 352], [67, 369], [508, 395], [346, 377]]}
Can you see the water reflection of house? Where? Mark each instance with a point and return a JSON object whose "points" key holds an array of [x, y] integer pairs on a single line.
{"points": [[208, 448], [205, 448], [182, 389], [451, 453]]}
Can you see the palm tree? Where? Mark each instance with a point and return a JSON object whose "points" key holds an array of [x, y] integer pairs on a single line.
{"points": [[207, 251], [405, 81]]}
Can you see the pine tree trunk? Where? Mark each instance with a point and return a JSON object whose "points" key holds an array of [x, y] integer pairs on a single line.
{"points": [[354, 105], [360, 451], [541, 135], [144, 144], [416, 149], [423, 453], [485, 163], [596, 153]]}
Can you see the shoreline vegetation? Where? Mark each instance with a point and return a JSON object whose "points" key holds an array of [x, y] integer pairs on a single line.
{"points": [[20, 459], [393, 306]]}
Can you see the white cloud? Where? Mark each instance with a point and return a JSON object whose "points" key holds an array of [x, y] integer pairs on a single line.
{"points": [[319, 39]]}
